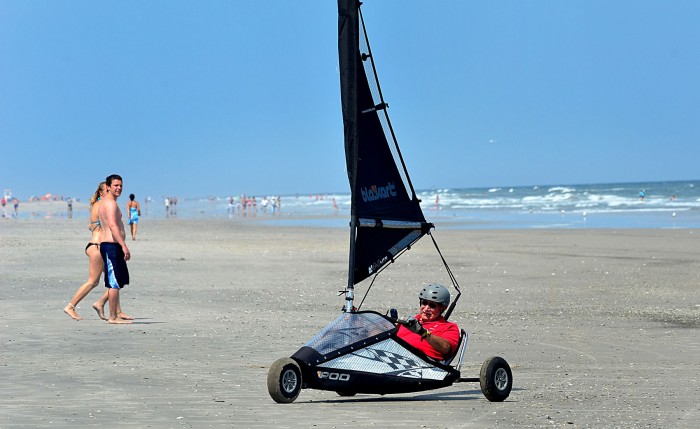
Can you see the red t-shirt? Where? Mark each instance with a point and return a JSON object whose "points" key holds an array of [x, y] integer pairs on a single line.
{"points": [[440, 327]]}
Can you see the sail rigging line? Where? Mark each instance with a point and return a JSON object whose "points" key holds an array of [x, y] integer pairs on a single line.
{"points": [[383, 105], [452, 278], [385, 266], [393, 259], [370, 287]]}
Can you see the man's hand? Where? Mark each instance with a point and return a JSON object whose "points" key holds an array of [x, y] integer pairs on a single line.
{"points": [[127, 254], [412, 324]]}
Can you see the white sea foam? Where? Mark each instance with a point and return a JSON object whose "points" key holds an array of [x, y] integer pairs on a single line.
{"points": [[561, 189]]}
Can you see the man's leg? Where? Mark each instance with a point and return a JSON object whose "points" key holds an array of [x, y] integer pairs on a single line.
{"points": [[99, 305], [113, 305]]}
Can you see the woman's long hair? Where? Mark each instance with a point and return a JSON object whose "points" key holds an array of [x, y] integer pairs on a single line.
{"points": [[98, 193]]}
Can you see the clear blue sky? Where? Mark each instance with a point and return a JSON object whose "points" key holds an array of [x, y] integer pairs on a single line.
{"points": [[226, 97]]}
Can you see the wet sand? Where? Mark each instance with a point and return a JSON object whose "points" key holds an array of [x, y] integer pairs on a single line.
{"points": [[601, 327]]}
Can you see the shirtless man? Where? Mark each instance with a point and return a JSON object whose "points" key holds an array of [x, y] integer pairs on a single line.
{"points": [[113, 248]]}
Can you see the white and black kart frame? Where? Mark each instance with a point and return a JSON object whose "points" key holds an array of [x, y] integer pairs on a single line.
{"points": [[360, 353]]}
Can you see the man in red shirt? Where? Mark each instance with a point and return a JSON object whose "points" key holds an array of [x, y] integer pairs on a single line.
{"points": [[428, 331]]}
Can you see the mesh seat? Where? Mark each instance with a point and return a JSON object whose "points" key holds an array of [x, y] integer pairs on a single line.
{"points": [[463, 339]]}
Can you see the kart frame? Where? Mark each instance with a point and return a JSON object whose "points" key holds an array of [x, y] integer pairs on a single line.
{"points": [[361, 353]]}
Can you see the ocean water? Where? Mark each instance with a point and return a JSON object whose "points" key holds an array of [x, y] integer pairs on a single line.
{"points": [[616, 205]]}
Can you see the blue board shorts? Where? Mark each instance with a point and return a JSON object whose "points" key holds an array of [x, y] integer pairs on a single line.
{"points": [[116, 272]]}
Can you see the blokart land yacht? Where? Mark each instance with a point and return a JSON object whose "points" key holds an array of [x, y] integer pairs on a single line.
{"points": [[360, 352]]}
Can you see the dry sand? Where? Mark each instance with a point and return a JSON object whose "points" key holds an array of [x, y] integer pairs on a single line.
{"points": [[601, 327]]}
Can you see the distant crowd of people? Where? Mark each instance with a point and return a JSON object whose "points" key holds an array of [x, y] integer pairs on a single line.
{"points": [[248, 206], [170, 206], [15, 204]]}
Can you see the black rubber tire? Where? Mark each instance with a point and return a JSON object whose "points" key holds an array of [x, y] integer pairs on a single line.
{"points": [[284, 380], [496, 379]]}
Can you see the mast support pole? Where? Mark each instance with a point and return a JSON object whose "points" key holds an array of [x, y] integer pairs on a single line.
{"points": [[350, 290]]}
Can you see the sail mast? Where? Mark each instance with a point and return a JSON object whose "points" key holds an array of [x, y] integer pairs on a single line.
{"points": [[348, 47]]}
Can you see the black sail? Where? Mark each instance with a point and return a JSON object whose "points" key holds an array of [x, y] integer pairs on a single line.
{"points": [[384, 208]]}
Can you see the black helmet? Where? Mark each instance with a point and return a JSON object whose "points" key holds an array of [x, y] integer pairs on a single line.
{"points": [[436, 293]]}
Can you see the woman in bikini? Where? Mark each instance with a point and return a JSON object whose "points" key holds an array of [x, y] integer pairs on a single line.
{"points": [[92, 250]]}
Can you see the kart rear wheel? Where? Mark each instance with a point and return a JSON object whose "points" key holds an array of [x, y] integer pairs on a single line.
{"points": [[284, 380], [496, 379]]}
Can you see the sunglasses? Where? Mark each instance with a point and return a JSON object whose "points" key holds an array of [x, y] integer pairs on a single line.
{"points": [[430, 304]]}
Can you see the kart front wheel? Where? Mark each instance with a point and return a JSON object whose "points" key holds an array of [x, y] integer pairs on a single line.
{"points": [[284, 380], [496, 379]]}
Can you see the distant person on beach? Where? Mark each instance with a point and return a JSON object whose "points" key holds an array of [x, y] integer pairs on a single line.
{"points": [[231, 207], [167, 207], [94, 260], [428, 331], [173, 206], [134, 210], [113, 248], [15, 201], [641, 195], [4, 204], [70, 208]]}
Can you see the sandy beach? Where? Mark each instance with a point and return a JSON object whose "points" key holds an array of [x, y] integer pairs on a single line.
{"points": [[601, 327]]}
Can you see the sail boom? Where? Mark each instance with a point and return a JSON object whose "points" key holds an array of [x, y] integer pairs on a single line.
{"points": [[407, 241], [394, 224]]}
